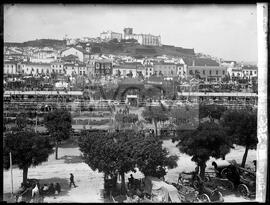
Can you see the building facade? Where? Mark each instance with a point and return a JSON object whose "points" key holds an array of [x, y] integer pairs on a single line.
{"points": [[207, 73], [165, 69], [109, 35], [72, 69], [10, 67], [44, 56], [250, 72], [31, 68], [235, 72], [74, 51], [103, 68], [149, 70], [58, 67], [143, 39]]}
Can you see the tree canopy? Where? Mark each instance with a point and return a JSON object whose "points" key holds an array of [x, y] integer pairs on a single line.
{"points": [[212, 111], [58, 124], [155, 114], [121, 152], [242, 126], [208, 140], [27, 148]]}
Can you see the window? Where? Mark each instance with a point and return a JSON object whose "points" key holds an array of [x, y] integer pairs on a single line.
{"points": [[210, 72], [203, 72], [250, 72], [255, 72], [216, 72], [223, 72]]}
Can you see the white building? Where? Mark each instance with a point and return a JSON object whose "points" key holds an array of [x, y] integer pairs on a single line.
{"points": [[109, 35], [235, 72], [31, 68], [182, 71], [250, 71], [143, 39], [45, 55], [74, 51], [10, 67], [57, 66], [149, 70]]}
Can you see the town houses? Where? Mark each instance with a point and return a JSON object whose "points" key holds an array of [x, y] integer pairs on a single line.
{"points": [[81, 57]]}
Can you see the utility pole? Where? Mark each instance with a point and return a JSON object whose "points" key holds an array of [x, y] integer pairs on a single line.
{"points": [[11, 174]]}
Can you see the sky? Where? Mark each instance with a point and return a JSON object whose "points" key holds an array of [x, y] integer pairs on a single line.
{"points": [[224, 31]]}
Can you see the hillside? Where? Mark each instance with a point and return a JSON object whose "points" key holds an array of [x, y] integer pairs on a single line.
{"points": [[39, 43], [112, 47], [134, 49]]}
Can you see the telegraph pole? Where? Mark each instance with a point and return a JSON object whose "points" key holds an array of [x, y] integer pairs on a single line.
{"points": [[11, 174]]}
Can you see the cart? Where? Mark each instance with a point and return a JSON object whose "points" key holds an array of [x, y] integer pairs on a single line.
{"points": [[187, 193], [247, 186], [206, 193], [223, 184]]}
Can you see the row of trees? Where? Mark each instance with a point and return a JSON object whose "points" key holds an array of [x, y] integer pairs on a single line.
{"points": [[121, 152], [30, 148], [215, 139]]}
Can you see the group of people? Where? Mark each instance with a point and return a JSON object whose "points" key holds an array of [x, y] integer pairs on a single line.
{"points": [[51, 189], [36, 192], [137, 197]]}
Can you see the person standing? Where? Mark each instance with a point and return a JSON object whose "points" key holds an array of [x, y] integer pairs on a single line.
{"points": [[72, 180]]}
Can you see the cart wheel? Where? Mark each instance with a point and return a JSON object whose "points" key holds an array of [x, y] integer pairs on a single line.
{"points": [[229, 185], [196, 185], [204, 198], [224, 173], [220, 197], [243, 190]]}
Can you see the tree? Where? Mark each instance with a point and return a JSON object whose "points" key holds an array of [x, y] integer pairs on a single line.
{"points": [[121, 152], [155, 115], [208, 140], [27, 149], [21, 122], [212, 111], [151, 158], [242, 126], [124, 119], [185, 117], [114, 40], [58, 123]]}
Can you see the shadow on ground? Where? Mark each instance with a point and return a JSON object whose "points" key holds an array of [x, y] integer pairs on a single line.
{"points": [[72, 159], [69, 144]]}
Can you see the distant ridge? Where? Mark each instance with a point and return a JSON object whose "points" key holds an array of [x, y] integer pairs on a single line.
{"points": [[38, 43], [131, 48]]}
